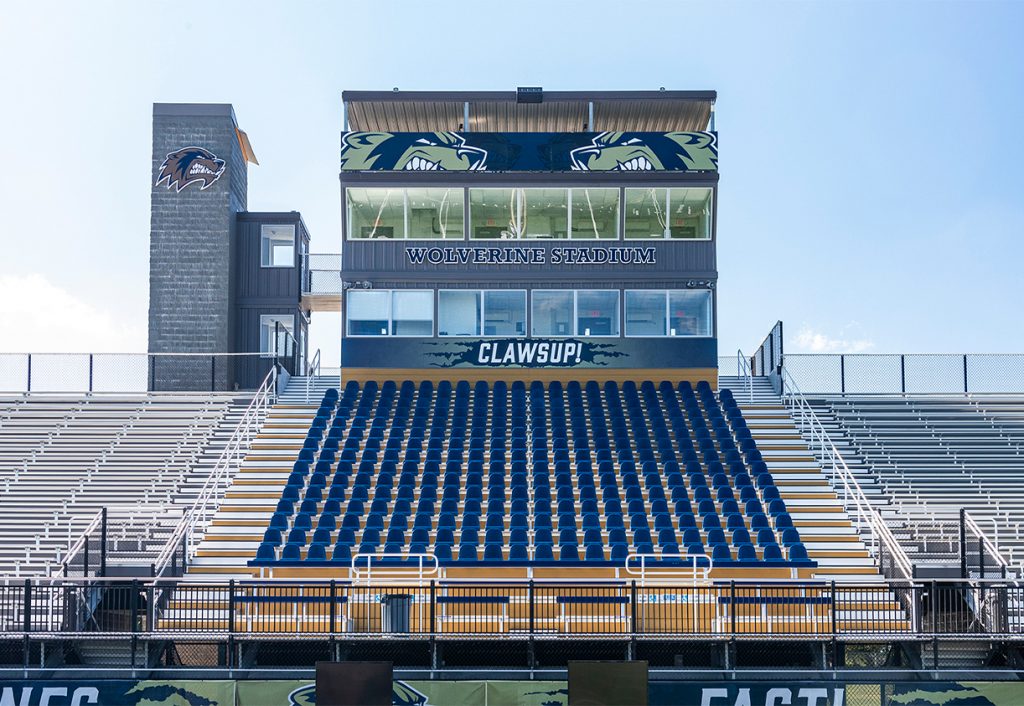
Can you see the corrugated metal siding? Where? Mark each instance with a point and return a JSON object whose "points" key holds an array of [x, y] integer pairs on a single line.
{"points": [[264, 283], [386, 260], [509, 116]]}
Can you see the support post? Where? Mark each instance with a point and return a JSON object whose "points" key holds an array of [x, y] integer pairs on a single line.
{"points": [[103, 542], [963, 543], [231, 608], [903, 374], [213, 373], [334, 608], [29, 382], [965, 374], [90, 371], [27, 608], [842, 373]]}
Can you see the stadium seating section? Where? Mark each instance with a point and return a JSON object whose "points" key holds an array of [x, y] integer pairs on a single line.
{"points": [[489, 475]]}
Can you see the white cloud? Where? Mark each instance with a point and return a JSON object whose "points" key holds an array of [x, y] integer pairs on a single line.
{"points": [[37, 316], [810, 341]]}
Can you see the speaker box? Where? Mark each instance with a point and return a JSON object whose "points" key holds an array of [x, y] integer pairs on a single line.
{"points": [[607, 683], [354, 683]]}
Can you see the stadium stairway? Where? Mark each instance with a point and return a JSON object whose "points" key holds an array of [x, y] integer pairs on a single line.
{"points": [[923, 458], [64, 457], [830, 537]]}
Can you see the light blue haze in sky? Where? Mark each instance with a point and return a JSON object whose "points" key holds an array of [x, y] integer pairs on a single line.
{"points": [[871, 153]]}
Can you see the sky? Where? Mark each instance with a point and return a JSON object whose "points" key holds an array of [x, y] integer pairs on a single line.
{"points": [[870, 153]]}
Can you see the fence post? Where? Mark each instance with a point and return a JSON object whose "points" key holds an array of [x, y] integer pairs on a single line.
{"points": [[965, 374], [152, 373], [531, 601], [103, 542], [963, 543], [833, 612], [29, 383], [27, 617], [135, 606], [333, 606], [903, 373], [732, 608], [632, 604], [90, 372], [213, 373], [433, 606], [842, 373], [231, 607]]}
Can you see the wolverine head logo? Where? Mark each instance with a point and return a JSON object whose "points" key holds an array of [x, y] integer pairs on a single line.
{"points": [[188, 165]]}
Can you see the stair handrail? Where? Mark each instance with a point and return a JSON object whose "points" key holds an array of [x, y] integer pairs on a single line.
{"points": [[312, 371], [992, 548], [743, 370], [882, 538], [208, 501], [76, 548]]}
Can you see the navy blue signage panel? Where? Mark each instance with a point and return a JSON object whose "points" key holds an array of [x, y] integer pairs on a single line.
{"points": [[390, 352]]}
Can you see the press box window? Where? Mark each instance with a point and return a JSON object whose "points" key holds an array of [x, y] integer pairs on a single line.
{"points": [[656, 313], [412, 214], [543, 214], [597, 313], [552, 312], [677, 214], [490, 313], [277, 333], [689, 312], [390, 313], [277, 246]]}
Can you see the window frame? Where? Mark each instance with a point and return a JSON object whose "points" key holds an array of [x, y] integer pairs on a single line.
{"points": [[668, 313], [264, 237], [390, 315], [712, 196], [405, 236], [527, 320], [572, 315], [270, 335]]}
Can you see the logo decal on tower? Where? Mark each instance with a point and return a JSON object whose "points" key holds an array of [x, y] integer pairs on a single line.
{"points": [[188, 166]]}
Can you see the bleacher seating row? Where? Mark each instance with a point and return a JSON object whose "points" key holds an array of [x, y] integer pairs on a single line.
{"points": [[63, 457], [503, 475]]}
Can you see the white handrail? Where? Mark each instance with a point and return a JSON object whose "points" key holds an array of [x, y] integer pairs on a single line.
{"points": [[881, 535], [743, 370], [667, 574], [358, 575], [992, 549], [312, 370], [208, 500]]}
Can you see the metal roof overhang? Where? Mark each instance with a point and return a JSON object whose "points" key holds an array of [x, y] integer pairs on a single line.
{"points": [[498, 111]]}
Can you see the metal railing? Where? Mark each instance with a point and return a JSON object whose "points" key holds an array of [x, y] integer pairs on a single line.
{"points": [[743, 371], [902, 374], [312, 371], [321, 273], [555, 608], [767, 359], [193, 524], [892, 559], [128, 372], [124, 534]]}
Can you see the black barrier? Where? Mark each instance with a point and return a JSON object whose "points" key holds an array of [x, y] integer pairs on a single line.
{"points": [[723, 609]]}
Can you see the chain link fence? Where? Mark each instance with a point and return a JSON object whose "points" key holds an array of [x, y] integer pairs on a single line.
{"points": [[895, 374], [322, 274]]}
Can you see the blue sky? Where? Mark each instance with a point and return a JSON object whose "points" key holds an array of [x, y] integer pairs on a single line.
{"points": [[871, 184]]}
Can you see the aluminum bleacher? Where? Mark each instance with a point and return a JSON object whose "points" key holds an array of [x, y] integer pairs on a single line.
{"points": [[931, 456], [64, 457]]}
